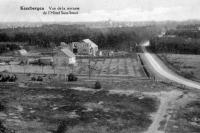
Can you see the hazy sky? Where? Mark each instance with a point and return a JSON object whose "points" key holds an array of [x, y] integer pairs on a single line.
{"points": [[97, 10]]}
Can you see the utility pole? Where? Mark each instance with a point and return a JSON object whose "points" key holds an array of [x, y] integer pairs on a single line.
{"points": [[89, 67]]}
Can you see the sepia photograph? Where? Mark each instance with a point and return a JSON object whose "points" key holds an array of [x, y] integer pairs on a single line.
{"points": [[99, 66]]}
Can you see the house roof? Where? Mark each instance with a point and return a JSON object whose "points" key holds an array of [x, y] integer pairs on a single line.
{"points": [[23, 52], [68, 52], [63, 44], [90, 42]]}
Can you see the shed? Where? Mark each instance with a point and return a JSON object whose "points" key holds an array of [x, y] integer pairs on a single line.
{"points": [[64, 56], [45, 60], [22, 52], [22, 55]]}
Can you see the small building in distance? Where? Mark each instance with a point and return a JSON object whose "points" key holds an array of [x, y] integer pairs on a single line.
{"points": [[22, 52], [63, 57], [93, 48], [65, 45], [85, 47], [45, 60], [79, 48], [22, 55]]}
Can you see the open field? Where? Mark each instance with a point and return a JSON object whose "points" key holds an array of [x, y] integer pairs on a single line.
{"points": [[111, 66], [185, 65], [99, 67], [44, 108]]}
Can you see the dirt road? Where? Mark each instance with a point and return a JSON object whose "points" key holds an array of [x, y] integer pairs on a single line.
{"points": [[162, 70], [166, 102]]}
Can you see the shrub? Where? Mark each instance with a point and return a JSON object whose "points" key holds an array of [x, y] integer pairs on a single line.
{"points": [[72, 77], [97, 85], [39, 78], [2, 107], [12, 78]]}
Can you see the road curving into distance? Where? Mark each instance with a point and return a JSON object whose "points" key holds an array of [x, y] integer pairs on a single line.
{"points": [[165, 72]]}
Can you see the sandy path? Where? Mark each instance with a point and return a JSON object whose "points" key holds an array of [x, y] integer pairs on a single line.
{"points": [[166, 102], [164, 71]]}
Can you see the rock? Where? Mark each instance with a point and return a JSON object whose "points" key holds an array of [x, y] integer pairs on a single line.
{"points": [[19, 108], [88, 110], [3, 115], [73, 115], [32, 111], [175, 126], [141, 97], [101, 102], [55, 108], [15, 117], [11, 114]]}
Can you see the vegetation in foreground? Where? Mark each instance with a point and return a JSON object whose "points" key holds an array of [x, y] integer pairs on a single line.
{"points": [[36, 109], [186, 119]]}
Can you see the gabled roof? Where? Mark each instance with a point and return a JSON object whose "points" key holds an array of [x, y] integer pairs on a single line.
{"points": [[90, 42], [23, 52], [63, 44], [68, 52]]}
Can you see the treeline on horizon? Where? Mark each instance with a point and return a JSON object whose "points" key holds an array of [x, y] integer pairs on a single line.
{"points": [[48, 36], [185, 33], [176, 45]]}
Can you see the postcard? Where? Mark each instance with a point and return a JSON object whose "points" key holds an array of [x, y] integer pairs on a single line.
{"points": [[99, 66]]}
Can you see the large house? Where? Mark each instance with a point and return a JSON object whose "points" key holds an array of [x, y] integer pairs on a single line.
{"points": [[85, 47], [63, 57]]}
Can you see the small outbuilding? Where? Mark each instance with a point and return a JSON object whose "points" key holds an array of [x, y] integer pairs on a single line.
{"points": [[22, 52], [45, 61], [22, 55], [63, 57]]}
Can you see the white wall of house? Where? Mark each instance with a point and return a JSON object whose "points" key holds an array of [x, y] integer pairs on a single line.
{"points": [[84, 48], [60, 59], [72, 60]]}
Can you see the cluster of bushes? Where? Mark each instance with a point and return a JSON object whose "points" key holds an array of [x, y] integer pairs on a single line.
{"points": [[37, 78], [6, 47], [6, 77], [72, 77]]}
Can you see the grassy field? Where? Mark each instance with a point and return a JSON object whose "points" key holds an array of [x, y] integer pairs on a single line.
{"points": [[46, 108], [111, 66], [104, 66], [186, 65]]}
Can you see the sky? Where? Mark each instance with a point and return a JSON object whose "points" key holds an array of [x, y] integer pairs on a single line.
{"points": [[102, 10]]}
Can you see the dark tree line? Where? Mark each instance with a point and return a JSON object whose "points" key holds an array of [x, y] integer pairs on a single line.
{"points": [[8, 47], [113, 38], [179, 45], [185, 33]]}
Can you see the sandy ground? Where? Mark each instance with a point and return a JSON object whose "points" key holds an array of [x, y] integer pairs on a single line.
{"points": [[166, 103]]}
